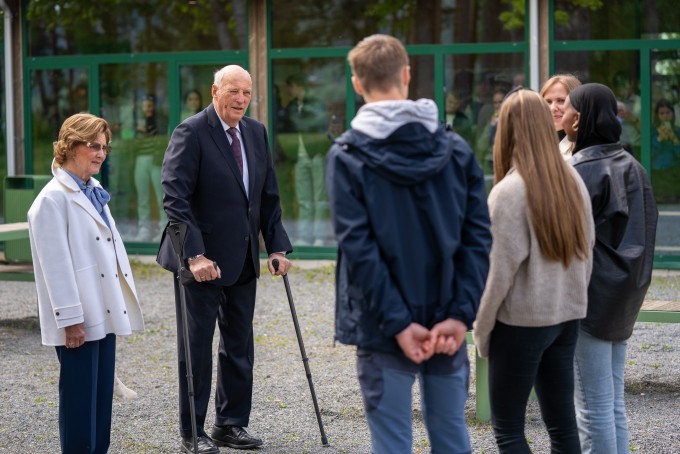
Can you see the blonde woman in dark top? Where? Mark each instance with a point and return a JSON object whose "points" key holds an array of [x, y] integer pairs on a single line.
{"points": [[536, 291]]}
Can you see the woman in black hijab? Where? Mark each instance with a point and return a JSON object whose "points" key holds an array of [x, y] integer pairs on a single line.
{"points": [[625, 217]]}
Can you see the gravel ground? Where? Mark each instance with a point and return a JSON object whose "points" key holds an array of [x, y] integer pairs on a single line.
{"points": [[283, 414]]}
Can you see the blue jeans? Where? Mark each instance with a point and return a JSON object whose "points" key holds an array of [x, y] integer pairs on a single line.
{"points": [[541, 357], [386, 382], [310, 189], [600, 409], [148, 175]]}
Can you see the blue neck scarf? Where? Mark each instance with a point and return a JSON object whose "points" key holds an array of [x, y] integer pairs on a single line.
{"points": [[97, 195]]}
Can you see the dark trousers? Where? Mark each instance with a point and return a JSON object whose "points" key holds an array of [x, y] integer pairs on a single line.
{"points": [[86, 396], [232, 307], [521, 358]]}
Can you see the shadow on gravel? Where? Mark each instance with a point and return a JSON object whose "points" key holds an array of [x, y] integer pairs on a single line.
{"points": [[649, 386], [28, 323]]}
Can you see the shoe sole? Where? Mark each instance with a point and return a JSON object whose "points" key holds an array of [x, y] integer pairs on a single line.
{"points": [[236, 446], [190, 450]]}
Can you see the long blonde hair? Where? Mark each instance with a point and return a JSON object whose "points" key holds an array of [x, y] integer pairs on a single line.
{"points": [[526, 140]]}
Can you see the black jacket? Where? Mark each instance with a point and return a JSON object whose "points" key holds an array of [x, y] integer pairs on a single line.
{"points": [[625, 217]]}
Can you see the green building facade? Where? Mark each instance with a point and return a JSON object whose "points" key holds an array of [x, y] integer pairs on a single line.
{"points": [[113, 58]]}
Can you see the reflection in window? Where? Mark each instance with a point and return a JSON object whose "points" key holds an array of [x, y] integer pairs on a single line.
{"points": [[134, 100], [309, 23], [665, 146], [55, 95], [475, 87], [615, 19], [86, 27], [308, 108], [3, 124], [619, 70], [195, 88]]}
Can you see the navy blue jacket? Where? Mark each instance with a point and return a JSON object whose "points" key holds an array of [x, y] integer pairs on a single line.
{"points": [[203, 188], [412, 225]]}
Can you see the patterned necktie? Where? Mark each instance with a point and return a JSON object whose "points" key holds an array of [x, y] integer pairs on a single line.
{"points": [[236, 148]]}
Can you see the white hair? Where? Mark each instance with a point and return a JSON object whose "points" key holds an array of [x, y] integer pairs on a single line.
{"points": [[226, 72]]}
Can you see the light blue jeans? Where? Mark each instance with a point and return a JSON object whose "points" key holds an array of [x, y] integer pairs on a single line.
{"points": [[148, 175], [598, 395], [310, 189], [386, 382]]}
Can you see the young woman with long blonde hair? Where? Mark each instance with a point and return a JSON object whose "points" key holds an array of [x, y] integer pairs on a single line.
{"points": [[536, 291]]}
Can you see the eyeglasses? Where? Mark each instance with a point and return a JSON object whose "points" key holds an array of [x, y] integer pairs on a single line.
{"points": [[94, 146]]}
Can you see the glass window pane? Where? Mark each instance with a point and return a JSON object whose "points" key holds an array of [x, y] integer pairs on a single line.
{"points": [[475, 86], [620, 71], [309, 23], [134, 100], [195, 87], [56, 94], [422, 76], [665, 147], [616, 19], [309, 109], [85, 27], [3, 123]]}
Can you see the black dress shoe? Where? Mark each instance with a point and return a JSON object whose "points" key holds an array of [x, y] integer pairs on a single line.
{"points": [[234, 437], [205, 445]]}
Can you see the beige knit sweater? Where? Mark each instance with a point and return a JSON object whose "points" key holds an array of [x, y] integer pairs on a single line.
{"points": [[524, 288]]}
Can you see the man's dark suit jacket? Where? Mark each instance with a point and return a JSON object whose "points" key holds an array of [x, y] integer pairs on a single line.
{"points": [[203, 188]]}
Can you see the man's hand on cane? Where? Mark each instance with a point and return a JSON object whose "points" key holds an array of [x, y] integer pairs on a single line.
{"points": [[284, 264], [204, 269]]}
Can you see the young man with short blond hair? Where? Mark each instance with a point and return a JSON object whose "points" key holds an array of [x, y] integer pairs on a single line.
{"points": [[408, 206]]}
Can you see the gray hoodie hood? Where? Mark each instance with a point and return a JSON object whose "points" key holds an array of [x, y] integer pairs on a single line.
{"points": [[401, 140], [380, 119]]}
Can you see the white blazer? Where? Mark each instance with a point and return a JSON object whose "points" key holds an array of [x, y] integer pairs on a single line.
{"points": [[82, 271]]}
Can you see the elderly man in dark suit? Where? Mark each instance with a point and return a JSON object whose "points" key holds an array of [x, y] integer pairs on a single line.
{"points": [[218, 179]]}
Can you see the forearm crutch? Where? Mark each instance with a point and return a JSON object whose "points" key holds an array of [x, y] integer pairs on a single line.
{"points": [[177, 232]]}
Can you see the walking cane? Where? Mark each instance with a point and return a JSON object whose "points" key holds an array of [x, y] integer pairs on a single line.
{"points": [[324, 440], [177, 231]]}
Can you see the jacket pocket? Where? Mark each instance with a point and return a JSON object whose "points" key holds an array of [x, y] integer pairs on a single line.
{"points": [[91, 296]]}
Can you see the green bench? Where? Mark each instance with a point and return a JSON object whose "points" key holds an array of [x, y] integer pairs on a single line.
{"points": [[20, 271], [652, 311]]}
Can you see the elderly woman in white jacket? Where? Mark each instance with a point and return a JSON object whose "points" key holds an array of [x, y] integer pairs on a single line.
{"points": [[86, 294]]}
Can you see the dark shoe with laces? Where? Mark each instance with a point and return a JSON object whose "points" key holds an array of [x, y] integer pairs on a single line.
{"points": [[205, 445], [234, 437]]}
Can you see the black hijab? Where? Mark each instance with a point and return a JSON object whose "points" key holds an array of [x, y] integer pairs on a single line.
{"points": [[597, 125]]}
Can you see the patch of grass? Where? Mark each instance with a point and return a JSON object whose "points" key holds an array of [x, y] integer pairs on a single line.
{"points": [[143, 270], [322, 273], [422, 443], [264, 340], [27, 323]]}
